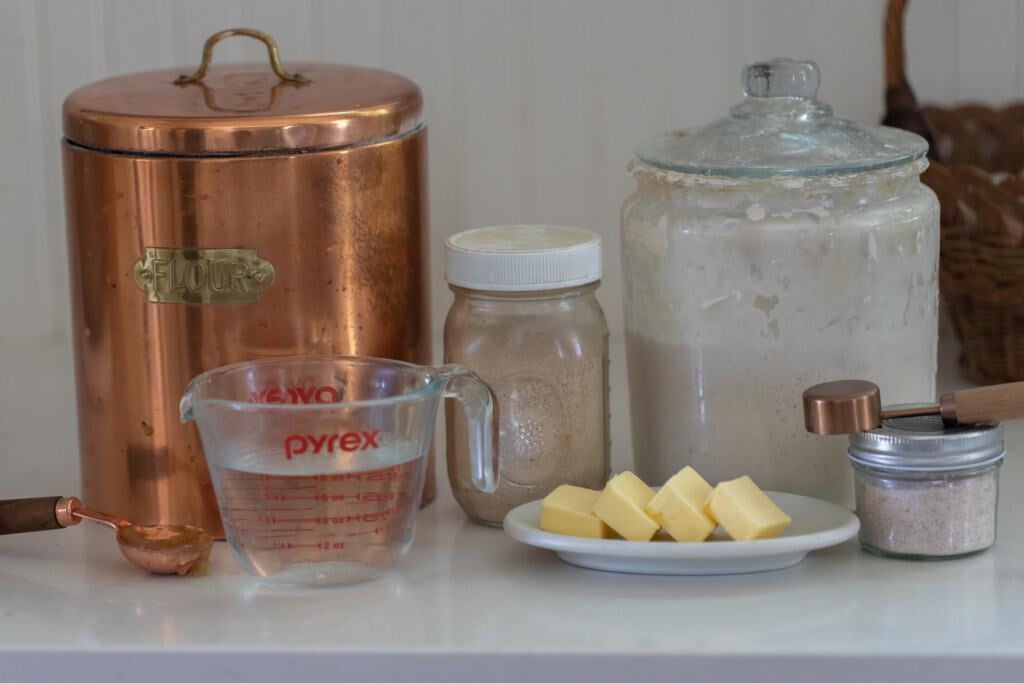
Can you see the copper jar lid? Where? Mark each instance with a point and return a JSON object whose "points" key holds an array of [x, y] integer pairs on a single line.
{"points": [[242, 109]]}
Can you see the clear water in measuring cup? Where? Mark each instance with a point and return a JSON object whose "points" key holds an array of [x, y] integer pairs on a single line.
{"points": [[318, 462], [308, 521]]}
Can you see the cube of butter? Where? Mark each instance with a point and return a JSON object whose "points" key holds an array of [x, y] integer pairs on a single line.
{"points": [[621, 506], [567, 510], [745, 511], [679, 507]]}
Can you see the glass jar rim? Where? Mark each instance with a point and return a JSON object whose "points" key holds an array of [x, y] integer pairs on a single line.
{"points": [[927, 444], [911, 170], [979, 467], [552, 293]]}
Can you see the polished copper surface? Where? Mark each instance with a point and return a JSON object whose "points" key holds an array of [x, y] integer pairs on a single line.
{"points": [[243, 109], [947, 407], [346, 233], [842, 407], [852, 405], [916, 410], [166, 549], [158, 549], [65, 511]]}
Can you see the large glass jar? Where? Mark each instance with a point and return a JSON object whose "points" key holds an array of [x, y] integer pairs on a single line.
{"points": [[774, 249], [525, 317]]}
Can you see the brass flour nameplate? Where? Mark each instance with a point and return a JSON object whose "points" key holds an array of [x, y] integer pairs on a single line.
{"points": [[203, 276]]}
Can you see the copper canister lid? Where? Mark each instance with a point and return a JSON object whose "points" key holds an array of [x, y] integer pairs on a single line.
{"points": [[242, 108]]}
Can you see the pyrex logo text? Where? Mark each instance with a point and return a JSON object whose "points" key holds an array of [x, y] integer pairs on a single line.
{"points": [[347, 442], [324, 394]]}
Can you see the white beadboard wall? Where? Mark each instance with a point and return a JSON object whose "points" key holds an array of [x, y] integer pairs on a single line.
{"points": [[534, 106]]}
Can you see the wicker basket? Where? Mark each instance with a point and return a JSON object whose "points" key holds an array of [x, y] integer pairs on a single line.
{"points": [[977, 154]]}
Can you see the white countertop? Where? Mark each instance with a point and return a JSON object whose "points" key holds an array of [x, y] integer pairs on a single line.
{"points": [[468, 603]]}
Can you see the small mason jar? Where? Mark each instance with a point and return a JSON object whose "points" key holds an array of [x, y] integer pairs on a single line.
{"points": [[525, 318], [925, 490]]}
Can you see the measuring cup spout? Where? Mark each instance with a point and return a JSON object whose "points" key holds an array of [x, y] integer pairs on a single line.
{"points": [[481, 408], [190, 400]]}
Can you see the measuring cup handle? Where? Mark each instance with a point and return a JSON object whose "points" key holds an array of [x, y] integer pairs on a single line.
{"points": [[481, 407]]}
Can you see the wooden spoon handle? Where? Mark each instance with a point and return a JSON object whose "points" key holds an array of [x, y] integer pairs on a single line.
{"points": [[21, 515], [985, 404]]}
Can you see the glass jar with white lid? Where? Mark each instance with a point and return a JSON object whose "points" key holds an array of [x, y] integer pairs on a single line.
{"points": [[773, 249], [526, 318]]}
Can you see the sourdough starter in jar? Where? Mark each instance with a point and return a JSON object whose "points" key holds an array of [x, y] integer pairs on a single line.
{"points": [[526, 319], [775, 249]]}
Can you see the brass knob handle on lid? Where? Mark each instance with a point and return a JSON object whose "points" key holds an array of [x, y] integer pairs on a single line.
{"points": [[853, 405], [272, 52]]}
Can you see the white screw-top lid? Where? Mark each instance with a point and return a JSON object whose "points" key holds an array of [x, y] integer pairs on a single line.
{"points": [[510, 258]]}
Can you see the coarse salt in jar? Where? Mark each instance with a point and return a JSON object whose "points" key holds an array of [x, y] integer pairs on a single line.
{"points": [[525, 318], [926, 490], [770, 250]]}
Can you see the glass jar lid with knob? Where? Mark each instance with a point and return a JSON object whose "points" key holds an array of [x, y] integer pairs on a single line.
{"points": [[782, 129]]}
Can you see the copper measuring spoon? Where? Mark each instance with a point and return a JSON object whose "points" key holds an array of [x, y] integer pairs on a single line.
{"points": [[159, 549], [854, 405]]}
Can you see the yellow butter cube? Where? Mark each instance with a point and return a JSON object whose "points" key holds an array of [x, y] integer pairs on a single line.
{"points": [[745, 511], [679, 507], [568, 510], [621, 506]]}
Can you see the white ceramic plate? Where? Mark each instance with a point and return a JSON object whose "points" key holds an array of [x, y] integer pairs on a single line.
{"points": [[816, 524]]}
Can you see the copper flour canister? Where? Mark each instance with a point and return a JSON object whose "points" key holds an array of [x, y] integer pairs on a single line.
{"points": [[242, 211]]}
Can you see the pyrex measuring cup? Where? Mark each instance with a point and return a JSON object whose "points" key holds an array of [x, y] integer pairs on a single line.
{"points": [[318, 462]]}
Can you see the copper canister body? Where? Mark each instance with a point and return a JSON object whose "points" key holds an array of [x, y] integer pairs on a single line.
{"points": [[345, 232]]}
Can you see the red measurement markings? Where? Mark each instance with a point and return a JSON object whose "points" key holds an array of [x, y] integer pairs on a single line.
{"points": [[264, 537], [291, 531], [297, 483], [364, 517], [262, 509], [322, 545], [358, 496], [379, 531], [324, 497], [325, 546], [392, 473], [263, 493], [261, 486]]}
